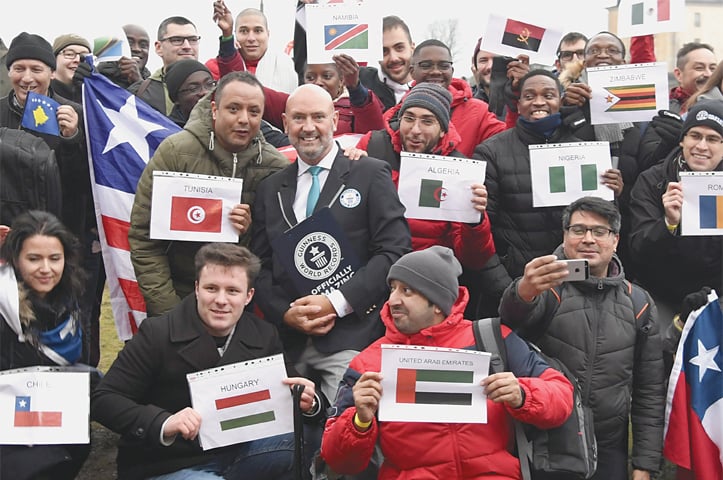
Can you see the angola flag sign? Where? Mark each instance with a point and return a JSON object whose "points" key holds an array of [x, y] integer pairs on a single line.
{"points": [[522, 35]]}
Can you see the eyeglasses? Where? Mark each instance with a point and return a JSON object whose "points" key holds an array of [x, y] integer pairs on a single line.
{"points": [[568, 54], [70, 54], [178, 41], [709, 139], [598, 231], [428, 121], [612, 51], [194, 88], [427, 66]]}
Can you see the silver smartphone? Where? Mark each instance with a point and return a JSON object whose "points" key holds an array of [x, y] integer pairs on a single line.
{"points": [[579, 270]]}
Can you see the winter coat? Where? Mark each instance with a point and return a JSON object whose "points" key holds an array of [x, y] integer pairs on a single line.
{"points": [[23, 315], [472, 243], [521, 231], [670, 265], [78, 211], [29, 176], [445, 450], [164, 269], [591, 326]]}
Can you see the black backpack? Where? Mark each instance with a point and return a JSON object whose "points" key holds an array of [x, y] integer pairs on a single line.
{"points": [[568, 451]]}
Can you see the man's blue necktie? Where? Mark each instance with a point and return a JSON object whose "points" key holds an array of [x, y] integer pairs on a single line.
{"points": [[314, 190]]}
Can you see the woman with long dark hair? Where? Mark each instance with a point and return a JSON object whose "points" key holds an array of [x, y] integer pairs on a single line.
{"points": [[41, 282]]}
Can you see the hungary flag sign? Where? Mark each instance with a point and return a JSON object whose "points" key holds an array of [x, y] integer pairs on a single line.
{"points": [[429, 384], [242, 401]]}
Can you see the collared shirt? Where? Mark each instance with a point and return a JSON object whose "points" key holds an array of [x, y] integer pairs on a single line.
{"points": [[303, 185]]}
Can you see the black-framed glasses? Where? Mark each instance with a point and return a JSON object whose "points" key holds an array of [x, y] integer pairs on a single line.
{"points": [[70, 54], [178, 41], [709, 139], [598, 231], [441, 66], [612, 51], [568, 54], [196, 87]]}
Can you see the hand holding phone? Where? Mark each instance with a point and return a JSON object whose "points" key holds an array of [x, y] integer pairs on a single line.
{"points": [[579, 270]]}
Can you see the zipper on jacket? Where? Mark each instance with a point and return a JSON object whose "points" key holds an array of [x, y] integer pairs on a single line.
{"points": [[593, 353], [235, 161]]}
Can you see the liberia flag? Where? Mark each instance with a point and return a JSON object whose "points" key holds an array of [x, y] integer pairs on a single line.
{"points": [[339, 37], [522, 35], [627, 98], [191, 214], [694, 410], [431, 387], [123, 132], [25, 417]]}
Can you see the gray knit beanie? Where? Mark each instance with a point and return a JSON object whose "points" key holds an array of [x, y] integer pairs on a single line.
{"points": [[432, 272], [431, 96]]}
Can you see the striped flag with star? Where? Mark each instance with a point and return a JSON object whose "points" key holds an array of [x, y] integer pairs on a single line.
{"points": [[123, 133], [627, 98], [694, 408], [347, 36]]}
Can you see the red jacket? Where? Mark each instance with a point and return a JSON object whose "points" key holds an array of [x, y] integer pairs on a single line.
{"points": [[472, 244], [472, 117], [445, 450]]}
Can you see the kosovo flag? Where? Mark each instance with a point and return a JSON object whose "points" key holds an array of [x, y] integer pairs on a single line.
{"points": [[41, 114]]}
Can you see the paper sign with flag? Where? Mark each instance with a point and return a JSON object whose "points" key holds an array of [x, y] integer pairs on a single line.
{"points": [[702, 212], [242, 401], [343, 27], [694, 409], [515, 36], [123, 132], [41, 114], [433, 384], [563, 172], [193, 207], [435, 187], [627, 93], [44, 405], [643, 17]]}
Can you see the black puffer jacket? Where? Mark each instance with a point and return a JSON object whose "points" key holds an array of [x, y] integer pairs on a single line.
{"points": [[616, 358], [521, 232], [29, 176], [670, 265]]}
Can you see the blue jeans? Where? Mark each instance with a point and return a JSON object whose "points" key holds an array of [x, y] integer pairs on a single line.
{"points": [[266, 459]]}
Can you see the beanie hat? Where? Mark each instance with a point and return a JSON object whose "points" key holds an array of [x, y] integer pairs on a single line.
{"points": [[432, 272], [30, 46], [431, 96], [69, 39], [705, 113], [178, 72]]}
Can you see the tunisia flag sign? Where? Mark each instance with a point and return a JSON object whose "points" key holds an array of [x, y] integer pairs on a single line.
{"points": [[193, 207], [192, 214]]}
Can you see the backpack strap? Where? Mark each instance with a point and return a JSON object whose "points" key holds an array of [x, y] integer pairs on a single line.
{"points": [[488, 338], [143, 87]]}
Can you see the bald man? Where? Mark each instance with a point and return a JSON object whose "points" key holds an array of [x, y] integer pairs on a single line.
{"points": [[323, 332]]}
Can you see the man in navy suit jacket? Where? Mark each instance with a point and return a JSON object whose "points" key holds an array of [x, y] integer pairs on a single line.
{"points": [[322, 333]]}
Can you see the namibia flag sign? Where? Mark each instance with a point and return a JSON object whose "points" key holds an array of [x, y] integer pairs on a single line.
{"points": [[344, 37]]}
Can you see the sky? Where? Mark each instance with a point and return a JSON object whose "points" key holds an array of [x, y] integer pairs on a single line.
{"points": [[56, 18]]}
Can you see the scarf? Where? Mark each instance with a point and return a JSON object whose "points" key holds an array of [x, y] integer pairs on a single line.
{"points": [[544, 126]]}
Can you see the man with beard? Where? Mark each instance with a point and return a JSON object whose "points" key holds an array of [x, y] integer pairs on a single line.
{"points": [[323, 332], [694, 65]]}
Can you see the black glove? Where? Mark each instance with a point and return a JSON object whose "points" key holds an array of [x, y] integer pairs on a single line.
{"points": [[693, 301], [668, 126], [81, 73]]}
